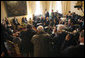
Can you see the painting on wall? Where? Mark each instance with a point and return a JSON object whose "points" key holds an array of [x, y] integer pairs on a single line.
{"points": [[16, 8]]}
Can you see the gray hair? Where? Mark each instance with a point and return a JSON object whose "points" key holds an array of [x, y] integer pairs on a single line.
{"points": [[60, 27], [40, 28]]}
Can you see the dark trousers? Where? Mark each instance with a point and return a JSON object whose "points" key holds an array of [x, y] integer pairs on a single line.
{"points": [[3, 49], [16, 26]]}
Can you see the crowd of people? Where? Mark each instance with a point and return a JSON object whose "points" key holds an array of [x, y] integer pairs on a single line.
{"points": [[47, 36]]}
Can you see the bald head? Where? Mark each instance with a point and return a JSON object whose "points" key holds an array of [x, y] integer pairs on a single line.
{"points": [[40, 28]]}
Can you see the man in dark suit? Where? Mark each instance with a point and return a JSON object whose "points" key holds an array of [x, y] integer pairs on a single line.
{"points": [[41, 43], [44, 20], [51, 23], [26, 46], [52, 14], [41, 20], [47, 21], [46, 13], [77, 51], [69, 41], [69, 15], [15, 22], [6, 20], [24, 20], [4, 37], [58, 40]]}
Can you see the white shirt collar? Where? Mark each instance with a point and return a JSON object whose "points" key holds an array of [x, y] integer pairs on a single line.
{"points": [[81, 43]]}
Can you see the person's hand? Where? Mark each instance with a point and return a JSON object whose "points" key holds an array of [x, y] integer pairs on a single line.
{"points": [[2, 54], [13, 34], [9, 52], [67, 37], [74, 31]]}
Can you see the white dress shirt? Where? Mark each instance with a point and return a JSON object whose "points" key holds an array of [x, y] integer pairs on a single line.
{"points": [[81, 43]]}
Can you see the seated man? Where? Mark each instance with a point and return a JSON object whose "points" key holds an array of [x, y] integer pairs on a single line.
{"points": [[16, 23], [47, 21], [30, 21], [38, 20], [42, 21], [51, 23]]}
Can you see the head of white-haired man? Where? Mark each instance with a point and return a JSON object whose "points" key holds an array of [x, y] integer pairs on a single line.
{"points": [[60, 28], [40, 29]]}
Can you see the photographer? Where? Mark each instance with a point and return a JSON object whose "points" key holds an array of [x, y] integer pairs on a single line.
{"points": [[58, 39], [75, 51]]}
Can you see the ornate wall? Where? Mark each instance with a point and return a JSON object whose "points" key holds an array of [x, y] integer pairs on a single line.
{"points": [[16, 8], [3, 11]]}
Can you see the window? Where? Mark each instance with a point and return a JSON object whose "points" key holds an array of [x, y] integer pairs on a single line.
{"points": [[56, 6], [59, 6], [38, 8]]}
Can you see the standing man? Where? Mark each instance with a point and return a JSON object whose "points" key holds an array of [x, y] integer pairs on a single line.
{"points": [[75, 51], [52, 15], [41, 43], [16, 23], [46, 13], [6, 20], [26, 46], [24, 20]]}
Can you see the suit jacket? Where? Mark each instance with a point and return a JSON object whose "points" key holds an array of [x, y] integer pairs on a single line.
{"points": [[26, 44], [58, 41], [15, 22], [47, 22], [52, 14], [24, 20], [47, 14], [42, 21], [77, 51], [4, 36], [66, 44], [7, 22], [41, 44]]}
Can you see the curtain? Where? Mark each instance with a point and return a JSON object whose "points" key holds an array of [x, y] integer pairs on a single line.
{"points": [[32, 8], [38, 8], [55, 5], [43, 6], [65, 7], [31, 5], [49, 5]]}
